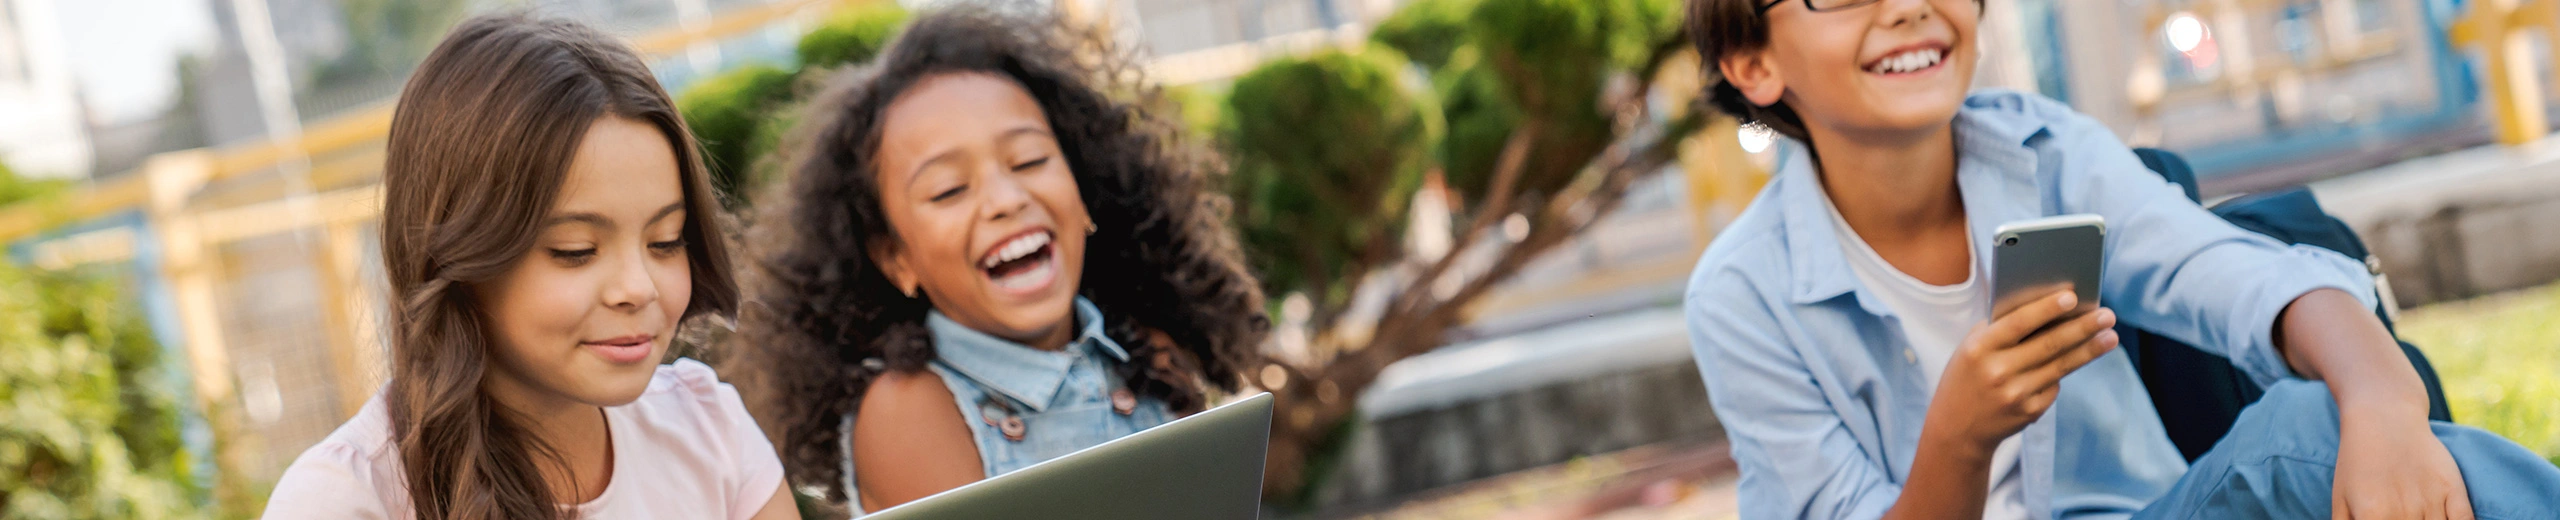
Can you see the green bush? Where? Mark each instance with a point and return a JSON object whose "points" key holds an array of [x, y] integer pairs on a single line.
{"points": [[1540, 53], [1326, 150], [727, 112], [1481, 117], [1427, 31], [853, 36], [90, 424], [740, 115]]}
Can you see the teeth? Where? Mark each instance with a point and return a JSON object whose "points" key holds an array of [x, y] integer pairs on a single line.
{"points": [[1015, 249], [1035, 276], [1909, 61]]}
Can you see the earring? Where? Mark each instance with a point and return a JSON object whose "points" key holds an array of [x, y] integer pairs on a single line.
{"points": [[910, 289]]}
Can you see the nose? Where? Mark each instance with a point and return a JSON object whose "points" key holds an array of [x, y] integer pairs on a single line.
{"points": [[632, 286], [1006, 196], [1898, 13]]}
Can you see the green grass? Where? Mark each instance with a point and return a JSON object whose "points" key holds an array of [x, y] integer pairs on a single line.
{"points": [[2499, 356]]}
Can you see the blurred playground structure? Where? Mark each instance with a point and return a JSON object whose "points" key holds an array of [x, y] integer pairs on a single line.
{"points": [[255, 260]]}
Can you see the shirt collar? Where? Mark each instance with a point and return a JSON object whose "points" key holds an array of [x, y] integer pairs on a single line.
{"points": [[1995, 170], [1027, 375]]}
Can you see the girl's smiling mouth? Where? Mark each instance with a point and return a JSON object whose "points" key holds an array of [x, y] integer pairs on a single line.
{"points": [[1021, 265], [623, 350]]}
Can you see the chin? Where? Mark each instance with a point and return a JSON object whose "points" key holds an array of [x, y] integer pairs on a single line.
{"points": [[615, 386], [1035, 318], [1925, 118]]}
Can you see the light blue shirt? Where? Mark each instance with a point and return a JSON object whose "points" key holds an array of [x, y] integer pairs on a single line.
{"points": [[1822, 399]]}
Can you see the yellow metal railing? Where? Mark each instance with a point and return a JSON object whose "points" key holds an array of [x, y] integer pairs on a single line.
{"points": [[2502, 29]]}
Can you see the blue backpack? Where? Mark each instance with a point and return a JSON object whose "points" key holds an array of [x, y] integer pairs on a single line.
{"points": [[2199, 394]]}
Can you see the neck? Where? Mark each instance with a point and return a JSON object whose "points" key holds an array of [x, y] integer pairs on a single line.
{"points": [[575, 431], [1056, 338], [1899, 195], [1891, 185]]}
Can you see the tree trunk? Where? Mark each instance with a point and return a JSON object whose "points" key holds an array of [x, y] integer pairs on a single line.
{"points": [[1313, 402]]}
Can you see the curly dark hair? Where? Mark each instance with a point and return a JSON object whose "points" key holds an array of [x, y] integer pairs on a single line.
{"points": [[821, 321]]}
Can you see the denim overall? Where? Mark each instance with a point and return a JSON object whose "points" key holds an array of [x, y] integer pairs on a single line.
{"points": [[1026, 405]]}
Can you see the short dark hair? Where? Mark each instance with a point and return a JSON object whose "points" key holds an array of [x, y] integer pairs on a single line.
{"points": [[1721, 27]]}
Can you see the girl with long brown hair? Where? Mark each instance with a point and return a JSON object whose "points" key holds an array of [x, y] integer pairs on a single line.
{"points": [[546, 228]]}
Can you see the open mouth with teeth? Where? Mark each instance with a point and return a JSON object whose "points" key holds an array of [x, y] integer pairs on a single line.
{"points": [[1909, 61], [1022, 264]]}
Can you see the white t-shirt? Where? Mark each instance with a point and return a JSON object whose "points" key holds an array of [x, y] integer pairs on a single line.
{"points": [[685, 449], [1935, 319]]}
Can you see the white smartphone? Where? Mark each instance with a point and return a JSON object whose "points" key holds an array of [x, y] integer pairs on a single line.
{"points": [[2033, 258]]}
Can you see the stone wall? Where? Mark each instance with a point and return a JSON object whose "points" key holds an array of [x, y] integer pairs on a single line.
{"points": [[2457, 225], [1536, 399]]}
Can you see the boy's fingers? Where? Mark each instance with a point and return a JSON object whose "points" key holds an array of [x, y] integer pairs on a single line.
{"points": [[2078, 356], [2042, 400], [2014, 327], [2057, 341]]}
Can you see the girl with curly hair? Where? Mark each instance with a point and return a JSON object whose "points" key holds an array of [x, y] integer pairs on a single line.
{"points": [[989, 252]]}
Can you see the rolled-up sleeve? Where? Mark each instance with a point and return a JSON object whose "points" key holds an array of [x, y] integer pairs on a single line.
{"points": [[2177, 270], [1796, 457]]}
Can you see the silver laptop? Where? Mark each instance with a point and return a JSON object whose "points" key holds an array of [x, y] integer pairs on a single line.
{"points": [[1204, 467]]}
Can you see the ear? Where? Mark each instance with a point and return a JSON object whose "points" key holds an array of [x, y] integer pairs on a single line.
{"points": [[892, 260], [1753, 73]]}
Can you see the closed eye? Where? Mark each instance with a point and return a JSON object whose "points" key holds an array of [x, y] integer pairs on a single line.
{"points": [[573, 256], [668, 246], [1034, 163], [949, 193]]}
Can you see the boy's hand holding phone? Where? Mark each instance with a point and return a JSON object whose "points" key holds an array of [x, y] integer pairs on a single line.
{"points": [[2008, 371]]}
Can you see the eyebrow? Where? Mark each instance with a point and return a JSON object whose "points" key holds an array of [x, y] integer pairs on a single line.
{"points": [[598, 220], [950, 154]]}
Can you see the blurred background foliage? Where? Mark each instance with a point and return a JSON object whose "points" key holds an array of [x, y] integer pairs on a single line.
{"points": [[1504, 102], [1326, 151], [741, 114], [90, 428]]}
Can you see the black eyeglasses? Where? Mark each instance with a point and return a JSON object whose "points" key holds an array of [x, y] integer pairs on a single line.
{"points": [[1819, 6]]}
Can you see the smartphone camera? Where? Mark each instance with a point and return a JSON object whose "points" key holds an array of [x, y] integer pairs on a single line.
{"points": [[2009, 241]]}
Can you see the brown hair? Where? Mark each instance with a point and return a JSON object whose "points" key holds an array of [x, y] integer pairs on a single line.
{"points": [[824, 322], [480, 143], [1722, 27]]}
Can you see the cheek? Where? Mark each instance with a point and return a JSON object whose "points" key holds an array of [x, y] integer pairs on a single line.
{"points": [[934, 237], [537, 305], [675, 287], [1962, 14], [934, 244], [1057, 191]]}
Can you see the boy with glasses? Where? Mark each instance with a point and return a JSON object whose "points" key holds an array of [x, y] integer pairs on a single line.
{"points": [[1846, 340]]}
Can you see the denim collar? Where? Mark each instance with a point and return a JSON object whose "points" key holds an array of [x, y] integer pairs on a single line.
{"points": [[1995, 167], [1027, 375]]}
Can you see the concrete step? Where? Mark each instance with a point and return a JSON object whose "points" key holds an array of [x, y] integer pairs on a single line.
{"points": [[2456, 225]]}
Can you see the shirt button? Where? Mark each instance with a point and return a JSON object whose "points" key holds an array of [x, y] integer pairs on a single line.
{"points": [[1123, 401], [1013, 428], [1910, 356]]}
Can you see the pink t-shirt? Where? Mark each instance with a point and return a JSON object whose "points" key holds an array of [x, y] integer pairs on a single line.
{"points": [[685, 449]]}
